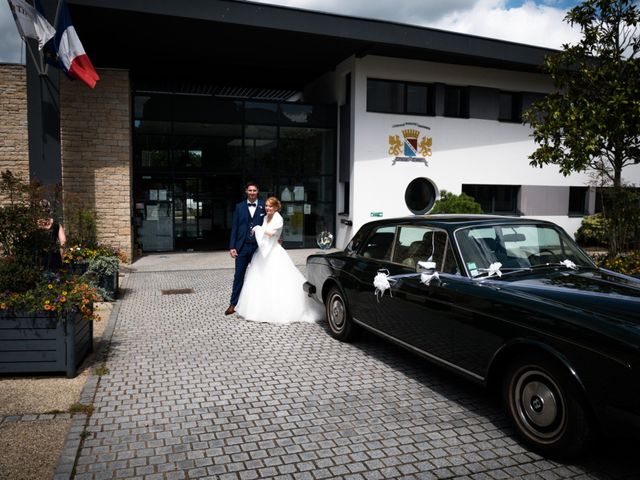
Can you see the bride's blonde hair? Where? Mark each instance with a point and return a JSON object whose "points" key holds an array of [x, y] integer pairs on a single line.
{"points": [[275, 203]]}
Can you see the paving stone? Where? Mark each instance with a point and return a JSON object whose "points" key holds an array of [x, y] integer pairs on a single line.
{"points": [[193, 393]]}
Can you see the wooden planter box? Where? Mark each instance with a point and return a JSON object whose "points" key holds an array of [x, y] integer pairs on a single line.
{"points": [[39, 342]]}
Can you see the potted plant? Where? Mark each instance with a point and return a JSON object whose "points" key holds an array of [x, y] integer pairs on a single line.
{"points": [[43, 314], [106, 268]]}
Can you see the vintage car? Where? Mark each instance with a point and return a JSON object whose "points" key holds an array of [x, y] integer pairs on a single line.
{"points": [[511, 303]]}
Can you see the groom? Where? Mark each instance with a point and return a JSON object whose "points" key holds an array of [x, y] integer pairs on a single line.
{"points": [[248, 214]]}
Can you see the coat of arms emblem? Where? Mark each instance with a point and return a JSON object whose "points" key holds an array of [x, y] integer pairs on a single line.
{"points": [[414, 145]]}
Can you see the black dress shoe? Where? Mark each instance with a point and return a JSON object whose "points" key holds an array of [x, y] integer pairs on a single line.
{"points": [[230, 310]]}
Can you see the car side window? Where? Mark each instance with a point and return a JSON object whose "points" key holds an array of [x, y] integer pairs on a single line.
{"points": [[414, 244], [410, 246], [379, 243], [450, 264]]}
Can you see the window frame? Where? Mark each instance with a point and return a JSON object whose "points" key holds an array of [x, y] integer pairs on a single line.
{"points": [[429, 101], [492, 190], [462, 110], [584, 191], [515, 107]]}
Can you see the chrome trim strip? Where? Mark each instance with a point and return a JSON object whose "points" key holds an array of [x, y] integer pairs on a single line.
{"points": [[435, 358]]}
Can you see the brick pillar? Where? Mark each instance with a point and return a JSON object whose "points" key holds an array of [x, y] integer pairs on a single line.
{"points": [[95, 134], [14, 134]]}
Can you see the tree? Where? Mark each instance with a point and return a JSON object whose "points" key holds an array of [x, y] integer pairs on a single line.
{"points": [[452, 203], [592, 121]]}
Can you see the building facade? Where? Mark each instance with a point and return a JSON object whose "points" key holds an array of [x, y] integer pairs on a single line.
{"points": [[344, 119]]}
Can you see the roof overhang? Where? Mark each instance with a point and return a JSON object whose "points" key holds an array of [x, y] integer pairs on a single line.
{"points": [[243, 43]]}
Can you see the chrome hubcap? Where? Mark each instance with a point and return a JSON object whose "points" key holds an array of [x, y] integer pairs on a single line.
{"points": [[539, 405], [336, 313]]}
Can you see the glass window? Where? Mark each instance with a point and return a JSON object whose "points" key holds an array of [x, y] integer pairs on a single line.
{"points": [[151, 126], [417, 99], [578, 200], [515, 247], [306, 151], [153, 107], [505, 197], [418, 244], [379, 243], [260, 144], [152, 151], [456, 102], [409, 247], [385, 96], [420, 196], [261, 112], [208, 138], [296, 114], [510, 107], [497, 199]]}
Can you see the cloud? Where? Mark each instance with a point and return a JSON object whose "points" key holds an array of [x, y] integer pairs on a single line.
{"points": [[415, 12], [529, 23], [517, 21]]}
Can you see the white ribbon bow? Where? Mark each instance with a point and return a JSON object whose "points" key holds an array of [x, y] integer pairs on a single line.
{"points": [[381, 282], [428, 265], [494, 269], [426, 277], [569, 264]]}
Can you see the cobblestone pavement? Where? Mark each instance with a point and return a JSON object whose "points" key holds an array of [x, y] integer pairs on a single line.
{"points": [[192, 393]]}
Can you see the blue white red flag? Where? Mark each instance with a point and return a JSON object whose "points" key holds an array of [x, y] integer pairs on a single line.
{"points": [[65, 51]]}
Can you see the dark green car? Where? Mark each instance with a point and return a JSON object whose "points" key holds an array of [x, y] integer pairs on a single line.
{"points": [[510, 303]]}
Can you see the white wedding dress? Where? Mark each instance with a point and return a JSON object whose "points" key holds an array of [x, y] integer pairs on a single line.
{"points": [[272, 290]]}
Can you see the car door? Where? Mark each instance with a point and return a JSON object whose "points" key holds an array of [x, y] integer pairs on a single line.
{"points": [[374, 254], [416, 314]]}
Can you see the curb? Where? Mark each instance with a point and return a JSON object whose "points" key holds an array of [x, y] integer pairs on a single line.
{"points": [[73, 442]]}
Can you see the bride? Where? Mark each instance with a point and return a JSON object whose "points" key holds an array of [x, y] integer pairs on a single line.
{"points": [[272, 290]]}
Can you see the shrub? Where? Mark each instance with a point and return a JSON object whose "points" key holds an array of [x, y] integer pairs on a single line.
{"points": [[25, 285], [104, 265], [593, 231], [80, 223], [452, 203], [627, 263], [17, 275]]}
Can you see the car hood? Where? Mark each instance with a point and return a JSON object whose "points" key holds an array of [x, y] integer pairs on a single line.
{"points": [[595, 292]]}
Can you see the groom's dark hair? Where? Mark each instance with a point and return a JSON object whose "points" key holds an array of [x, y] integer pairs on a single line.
{"points": [[251, 184]]}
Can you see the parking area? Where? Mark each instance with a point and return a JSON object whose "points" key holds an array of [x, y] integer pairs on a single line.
{"points": [[192, 393]]}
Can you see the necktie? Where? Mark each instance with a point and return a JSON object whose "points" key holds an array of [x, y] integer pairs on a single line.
{"points": [[252, 204]]}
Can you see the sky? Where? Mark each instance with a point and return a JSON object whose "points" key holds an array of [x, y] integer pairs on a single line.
{"points": [[534, 22]]}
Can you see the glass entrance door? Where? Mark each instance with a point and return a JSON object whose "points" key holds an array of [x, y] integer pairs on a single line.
{"points": [[203, 210], [192, 214]]}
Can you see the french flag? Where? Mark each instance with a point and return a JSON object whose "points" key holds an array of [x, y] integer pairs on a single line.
{"points": [[67, 52]]}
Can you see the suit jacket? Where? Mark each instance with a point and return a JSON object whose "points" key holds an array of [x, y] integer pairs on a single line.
{"points": [[241, 221]]}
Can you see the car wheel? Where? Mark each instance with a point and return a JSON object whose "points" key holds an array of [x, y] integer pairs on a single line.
{"points": [[338, 318], [546, 408]]}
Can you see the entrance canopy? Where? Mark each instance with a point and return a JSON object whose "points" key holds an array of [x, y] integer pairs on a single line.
{"points": [[227, 42]]}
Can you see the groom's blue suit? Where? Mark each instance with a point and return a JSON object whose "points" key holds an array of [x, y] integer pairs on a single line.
{"points": [[243, 241]]}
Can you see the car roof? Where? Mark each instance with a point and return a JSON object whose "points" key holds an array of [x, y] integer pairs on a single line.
{"points": [[455, 221]]}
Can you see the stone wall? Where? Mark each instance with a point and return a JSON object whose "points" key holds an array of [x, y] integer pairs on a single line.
{"points": [[95, 135], [14, 135]]}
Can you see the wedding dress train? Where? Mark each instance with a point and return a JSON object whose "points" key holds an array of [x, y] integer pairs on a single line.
{"points": [[272, 290]]}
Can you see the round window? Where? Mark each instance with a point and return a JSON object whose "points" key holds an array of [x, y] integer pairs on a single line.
{"points": [[420, 196]]}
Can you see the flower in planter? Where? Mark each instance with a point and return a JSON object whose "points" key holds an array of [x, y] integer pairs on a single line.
{"points": [[59, 294], [78, 254]]}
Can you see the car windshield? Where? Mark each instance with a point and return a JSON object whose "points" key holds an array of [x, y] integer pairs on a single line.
{"points": [[517, 247]]}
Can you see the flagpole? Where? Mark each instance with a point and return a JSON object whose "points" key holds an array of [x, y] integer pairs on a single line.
{"points": [[37, 63], [55, 25]]}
